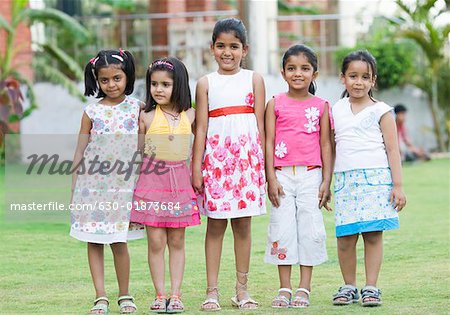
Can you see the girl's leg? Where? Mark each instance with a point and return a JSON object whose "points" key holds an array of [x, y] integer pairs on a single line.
{"points": [[305, 283], [157, 240], [284, 273], [346, 246], [122, 266], [242, 228], [213, 251], [373, 256], [175, 242], [96, 265]]}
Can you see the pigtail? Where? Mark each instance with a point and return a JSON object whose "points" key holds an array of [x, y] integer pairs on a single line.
{"points": [[129, 69], [90, 81], [312, 88]]}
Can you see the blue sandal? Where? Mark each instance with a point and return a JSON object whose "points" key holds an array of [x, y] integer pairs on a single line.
{"points": [[347, 292], [373, 293]]}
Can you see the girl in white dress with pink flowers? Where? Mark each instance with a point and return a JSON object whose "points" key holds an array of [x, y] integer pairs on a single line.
{"points": [[228, 160]]}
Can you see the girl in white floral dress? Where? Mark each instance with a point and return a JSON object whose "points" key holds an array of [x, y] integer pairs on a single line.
{"points": [[104, 175], [228, 160]]}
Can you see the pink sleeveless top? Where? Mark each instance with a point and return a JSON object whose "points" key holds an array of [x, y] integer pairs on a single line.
{"points": [[297, 131]]}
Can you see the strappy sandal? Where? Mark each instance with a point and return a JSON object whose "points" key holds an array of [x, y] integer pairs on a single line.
{"points": [[104, 308], [211, 299], [159, 305], [281, 301], [125, 301], [300, 301], [242, 287], [371, 292], [175, 305], [347, 292]]}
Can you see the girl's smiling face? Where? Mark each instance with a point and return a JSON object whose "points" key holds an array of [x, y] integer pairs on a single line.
{"points": [[298, 72], [358, 79], [161, 87], [228, 52], [112, 81]]}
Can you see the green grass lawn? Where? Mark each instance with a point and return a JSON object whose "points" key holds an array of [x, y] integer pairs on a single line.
{"points": [[44, 271]]}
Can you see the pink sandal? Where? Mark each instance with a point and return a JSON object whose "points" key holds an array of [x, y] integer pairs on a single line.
{"points": [[159, 305]]}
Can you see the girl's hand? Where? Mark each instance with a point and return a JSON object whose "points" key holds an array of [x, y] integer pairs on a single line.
{"points": [[324, 196], [197, 182], [398, 198], [275, 191]]}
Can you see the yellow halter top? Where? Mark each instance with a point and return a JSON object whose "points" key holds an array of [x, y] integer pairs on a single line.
{"points": [[167, 142]]}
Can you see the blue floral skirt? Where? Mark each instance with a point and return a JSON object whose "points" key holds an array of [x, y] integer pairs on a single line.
{"points": [[362, 201]]}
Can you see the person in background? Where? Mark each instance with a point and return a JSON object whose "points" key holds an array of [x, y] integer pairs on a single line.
{"points": [[408, 150]]}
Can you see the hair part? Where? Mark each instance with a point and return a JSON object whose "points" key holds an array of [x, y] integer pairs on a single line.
{"points": [[104, 59], [181, 94], [360, 55], [306, 51], [230, 25]]}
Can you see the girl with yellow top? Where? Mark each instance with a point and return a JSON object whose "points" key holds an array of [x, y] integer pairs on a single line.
{"points": [[164, 200]]}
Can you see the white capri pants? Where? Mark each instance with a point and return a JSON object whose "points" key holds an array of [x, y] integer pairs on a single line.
{"points": [[296, 233]]}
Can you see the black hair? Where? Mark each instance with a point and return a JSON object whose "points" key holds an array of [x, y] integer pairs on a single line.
{"points": [[104, 59], [400, 108], [296, 50], [359, 55], [231, 25], [181, 94]]}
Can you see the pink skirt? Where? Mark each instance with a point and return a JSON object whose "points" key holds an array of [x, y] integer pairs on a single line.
{"points": [[164, 196]]}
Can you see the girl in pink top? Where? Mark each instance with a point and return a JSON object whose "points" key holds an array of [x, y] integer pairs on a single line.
{"points": [[298, 170]]}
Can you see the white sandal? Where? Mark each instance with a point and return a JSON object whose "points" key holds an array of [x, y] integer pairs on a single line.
{"points": [[211, 300], [282, 299], [242, 287], [300, 301]]}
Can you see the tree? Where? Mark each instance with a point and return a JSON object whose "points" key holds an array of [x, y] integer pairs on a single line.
{"points": [[417, 24], [11, 98]]}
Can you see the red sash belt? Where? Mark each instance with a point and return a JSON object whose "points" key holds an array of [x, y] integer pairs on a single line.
{"points": [[231, 110]]}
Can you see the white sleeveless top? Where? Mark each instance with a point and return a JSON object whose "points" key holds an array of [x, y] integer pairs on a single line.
{"points": [[359, 140]]}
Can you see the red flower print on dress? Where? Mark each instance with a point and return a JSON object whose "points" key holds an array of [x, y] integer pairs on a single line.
{"points": [[220, 154], [207, 163], [237, 194], [250, 99], [255, 178], [243, 139], [213, 141], [212, 206], [242, 182], [207, 179], [226, 206], [230, 166], [217, 173], [228, 184], [227, 142], [282, 256], [242, 204], [216, 191], [235, 149], [243, 165], [250, 195]]}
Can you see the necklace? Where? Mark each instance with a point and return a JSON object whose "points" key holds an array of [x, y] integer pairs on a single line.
{"points": [[173, 117], [171, 125]]}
